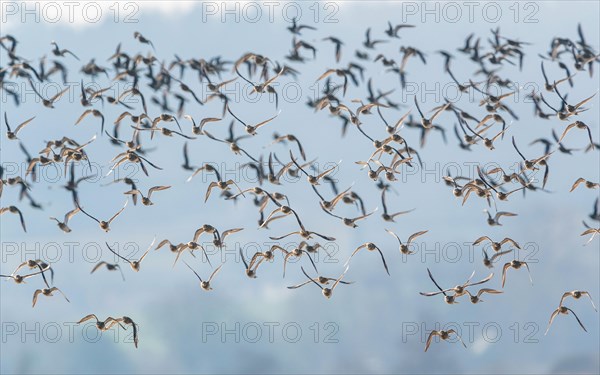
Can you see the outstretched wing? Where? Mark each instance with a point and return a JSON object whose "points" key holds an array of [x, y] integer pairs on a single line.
{"points": [[100, 264], [35, 296]]}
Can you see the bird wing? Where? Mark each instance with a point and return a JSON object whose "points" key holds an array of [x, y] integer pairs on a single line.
{"points": [[147, 250], [569, 127], [118, 213], [395, 235], [157, 188], [100, 264], [498, 255], [576, 317], [117, 254], [230, 231], [436, 284], [35, 297], [22, 125], [506, 239], [87, 317], [415, 235], [433, 333], [506, 266], [481, 239], [210, 187], [383, 260], [215, 272], [488, 290]]}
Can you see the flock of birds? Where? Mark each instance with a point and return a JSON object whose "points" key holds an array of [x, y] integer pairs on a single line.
{"points": [[146, 73]]}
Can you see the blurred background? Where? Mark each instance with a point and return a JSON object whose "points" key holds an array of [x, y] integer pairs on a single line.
{"points": [[378, 324]]}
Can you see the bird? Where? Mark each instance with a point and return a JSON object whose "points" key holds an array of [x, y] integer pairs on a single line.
{"points": [[142, 39], [312, 179], [593, 231], [20, 279], [350, 222], [491, 100], [46, 292], [550, 87], [61, 52], [516, 264], [489, 143], [250, 272], [595, 215], [573, 109], [251, 129], [297, 253], [109, 266], [327, 292], [104, 225], [205, 284], [12, 135], [338, 47], [174, 248], [495, 220], [370, 44], [531, 164], [444, 335], [197, 129], [578, 125], [267, 255], [586, 183], [489, 262], [290, 138], [135, 92], [222, 185], [565, 311], [330, 205], [37, 264], [295, 28], [128, 321], [15, 181], [132, 157], [104, 325], [15, 210], [186, 160], [476, 298], [392, 31], [146, 199], [135, 265], [458, 290], [233, 146], [267, 85], [407, 53], [428, 122], [306, 234], [321, 280], [73, 184], [385, 215], [95, 113], [164, 131], [405, 248], [576, 294], [219, 238], [370, 247], [496, 246], [63, 225], [49, 103]]}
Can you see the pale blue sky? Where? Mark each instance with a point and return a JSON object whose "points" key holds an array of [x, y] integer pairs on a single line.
{"points": [[371, 317]]}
